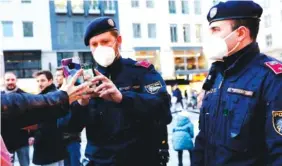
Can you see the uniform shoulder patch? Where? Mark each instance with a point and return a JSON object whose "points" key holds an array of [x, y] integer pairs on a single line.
{"points": [[144, 63], [154, 87], [275, 66], [277, 121]]}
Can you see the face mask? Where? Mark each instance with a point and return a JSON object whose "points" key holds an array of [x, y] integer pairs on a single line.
{"points": [[104, 55], [215, 48]]}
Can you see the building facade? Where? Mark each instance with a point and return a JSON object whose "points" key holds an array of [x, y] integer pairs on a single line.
{"points": [[69, 20], [270, 33], [33, 40], [25, 37], [168, 33]]}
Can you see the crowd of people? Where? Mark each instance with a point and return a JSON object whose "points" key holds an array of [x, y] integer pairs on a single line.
{"points": [[125, 107]]}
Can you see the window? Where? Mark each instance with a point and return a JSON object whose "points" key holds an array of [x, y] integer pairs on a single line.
{"points": [[109, 5], [267, 21], [86, 57], [78, 31], [172, 7], [22, 63], [173, 33], [184, 61], [185, 6], [186, 33], [268, 40], [134, 3], [94, 4], [60, 6], [63, 55], [26, 1], [198, 33], [94, 7], [28, 29], [197, 5], [7, 28], [77, 6], [151, 30], [61, 30], [136, 30], [150, 3]]}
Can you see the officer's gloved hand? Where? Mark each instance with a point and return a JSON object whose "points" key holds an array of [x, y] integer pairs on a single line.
{"points": [[164, 156]]}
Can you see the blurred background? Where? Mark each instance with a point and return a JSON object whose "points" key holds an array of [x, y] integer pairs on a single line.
{"points": [[36, 34]]}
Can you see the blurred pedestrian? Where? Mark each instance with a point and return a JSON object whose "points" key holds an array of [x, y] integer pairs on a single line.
{"points": [[182, 136], [16, 141]]}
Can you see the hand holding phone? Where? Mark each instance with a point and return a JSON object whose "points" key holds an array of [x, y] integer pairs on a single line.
{"points": [[70, 67]]}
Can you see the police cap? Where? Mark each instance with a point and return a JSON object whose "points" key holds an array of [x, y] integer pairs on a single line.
{"points": [[234, 10], [98, 26]]}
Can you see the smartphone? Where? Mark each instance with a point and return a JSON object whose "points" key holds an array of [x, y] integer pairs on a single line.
{"points": [[88, 70], [70, 67]]}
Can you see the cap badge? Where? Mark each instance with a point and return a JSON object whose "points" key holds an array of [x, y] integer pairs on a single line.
{"points": [[213, 12], [111, 22]]}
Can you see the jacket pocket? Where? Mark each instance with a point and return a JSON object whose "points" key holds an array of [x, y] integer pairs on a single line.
{"points": [[239, 116]]}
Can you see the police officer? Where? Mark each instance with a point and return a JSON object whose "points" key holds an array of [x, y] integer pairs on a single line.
{"points": [[127, 107], [241, 115]]}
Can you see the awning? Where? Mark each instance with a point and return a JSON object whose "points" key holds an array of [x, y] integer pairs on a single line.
{"points": [[194, 71], [185, 48], [146, 48]]}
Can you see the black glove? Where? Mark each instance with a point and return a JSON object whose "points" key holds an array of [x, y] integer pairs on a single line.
{"points": [[164, 156]]}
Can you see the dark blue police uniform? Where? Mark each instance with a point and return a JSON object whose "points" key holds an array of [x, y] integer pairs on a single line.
{"points": [[241, 115], [124, 134]]}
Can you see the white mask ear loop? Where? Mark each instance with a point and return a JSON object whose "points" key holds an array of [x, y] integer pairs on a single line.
{"points": [[235, 45]]}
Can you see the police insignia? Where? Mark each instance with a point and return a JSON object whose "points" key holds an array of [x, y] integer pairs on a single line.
{"points": [[275, 66], [145, 64], [213, 12], [111, 22], [277, 121], [154, 87]]}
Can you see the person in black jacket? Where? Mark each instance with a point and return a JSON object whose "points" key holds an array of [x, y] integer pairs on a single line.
{"points": [[23, 109], [49, 146], [71, 139], [16, 141]]}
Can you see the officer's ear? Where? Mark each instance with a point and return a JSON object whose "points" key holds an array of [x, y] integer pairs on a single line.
{"points": [[243, 33], [119, 40]]}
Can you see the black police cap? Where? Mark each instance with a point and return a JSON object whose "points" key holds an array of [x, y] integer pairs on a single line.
{"points": [[231, 10], [98, 26]]}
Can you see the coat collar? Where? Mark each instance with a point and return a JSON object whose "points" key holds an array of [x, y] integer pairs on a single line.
{"points": [[48, 89], [238, 61]]}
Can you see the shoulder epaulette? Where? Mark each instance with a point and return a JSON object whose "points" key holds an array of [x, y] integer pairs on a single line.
{"points": [[143, 63], [275, 66]]}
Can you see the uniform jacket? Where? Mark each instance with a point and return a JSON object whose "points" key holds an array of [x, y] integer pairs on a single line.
{"points": [[48, 145], [240, 115], [182, 134], [19, 137], [121, 134]]}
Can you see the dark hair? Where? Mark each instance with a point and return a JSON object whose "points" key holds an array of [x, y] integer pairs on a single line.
{"points": [[115, 33], [47, 73], [59, 68], [251, 24]]}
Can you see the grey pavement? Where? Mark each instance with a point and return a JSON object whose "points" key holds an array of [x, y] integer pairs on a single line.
{"points": [[194, 116]]}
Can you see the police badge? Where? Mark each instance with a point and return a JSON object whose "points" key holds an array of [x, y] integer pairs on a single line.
{"points": [[277, 121], [154, 87]]}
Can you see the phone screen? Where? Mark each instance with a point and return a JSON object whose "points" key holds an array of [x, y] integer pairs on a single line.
{"points": [[70, 67]]}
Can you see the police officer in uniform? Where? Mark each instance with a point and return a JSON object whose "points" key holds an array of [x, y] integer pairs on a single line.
{"points": [[241, 114], [127, 107]]}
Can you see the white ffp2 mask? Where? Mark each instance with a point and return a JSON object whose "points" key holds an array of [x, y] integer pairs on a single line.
{"points": [[104, 55]]}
